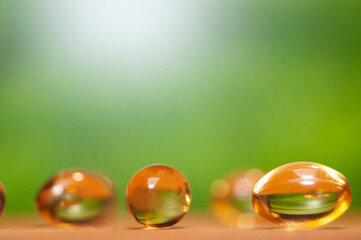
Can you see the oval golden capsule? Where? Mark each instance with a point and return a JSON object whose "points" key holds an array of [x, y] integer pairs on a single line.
{"points": [[301, 195]]}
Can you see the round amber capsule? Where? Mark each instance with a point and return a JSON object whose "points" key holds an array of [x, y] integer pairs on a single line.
{"points": [[158, 196], [231, 198], [301, 195], [76, 197]]}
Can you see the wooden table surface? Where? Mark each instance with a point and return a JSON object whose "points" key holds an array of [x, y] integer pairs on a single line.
{"points": [[194, 226]]}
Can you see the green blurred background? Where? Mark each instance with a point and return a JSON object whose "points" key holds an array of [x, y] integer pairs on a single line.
{"points": [[205, 86]]}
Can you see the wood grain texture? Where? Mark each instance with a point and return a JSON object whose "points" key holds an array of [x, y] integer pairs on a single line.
{"points": [[195, 226]]}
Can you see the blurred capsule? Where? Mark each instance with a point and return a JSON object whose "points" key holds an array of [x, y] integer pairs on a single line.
{"points": [[2, 198], [76, 197], [232, 198]]}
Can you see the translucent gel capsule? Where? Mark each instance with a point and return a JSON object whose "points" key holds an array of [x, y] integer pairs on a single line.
{"points": [[231, 198], [158, 196], [76, 197], [302, 195], [2, 198]]}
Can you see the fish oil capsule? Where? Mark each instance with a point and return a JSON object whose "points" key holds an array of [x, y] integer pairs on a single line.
{"points": [[158, 196], [76, 197], [231, 198], [2, 198], [301, 195]]}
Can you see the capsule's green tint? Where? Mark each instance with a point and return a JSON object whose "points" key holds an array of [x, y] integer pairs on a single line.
{"points": [[74, 209], [168, 208], [302, 204], [242, 204]]}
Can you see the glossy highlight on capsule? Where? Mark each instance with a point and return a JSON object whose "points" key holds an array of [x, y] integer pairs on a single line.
{"points": [[301, 195]]}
